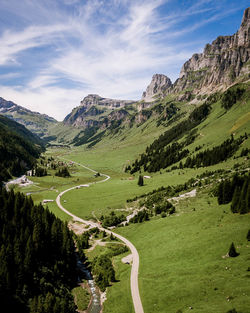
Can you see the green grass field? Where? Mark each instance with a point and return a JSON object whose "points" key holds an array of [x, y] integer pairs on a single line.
{"points": [[181, 263]]}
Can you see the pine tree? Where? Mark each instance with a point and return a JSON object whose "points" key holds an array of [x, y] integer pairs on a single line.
{"points": [[248, 235], [235, 201], [220, 192], [232, 252], [243, 204], [140, 181], [227, 191]]}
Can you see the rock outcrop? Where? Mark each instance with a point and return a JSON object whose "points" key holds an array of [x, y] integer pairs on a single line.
{"points": [[158, 86], [92, 111], [93, 99], [221, 62]]}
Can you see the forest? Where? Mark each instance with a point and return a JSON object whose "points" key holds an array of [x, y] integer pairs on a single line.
{"points": [[237, 191], [37, 258], [19, 152], [217, 154]]}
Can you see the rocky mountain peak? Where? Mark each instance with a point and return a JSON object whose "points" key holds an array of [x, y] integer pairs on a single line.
{"points": [[244, 31], [159, 84], [221, 62], [93, 99]]}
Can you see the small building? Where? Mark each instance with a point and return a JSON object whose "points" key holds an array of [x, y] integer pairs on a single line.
{"points": [[47, 200]]}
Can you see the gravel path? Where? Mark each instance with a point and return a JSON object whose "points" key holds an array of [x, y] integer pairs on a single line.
{"points": [[135, 256]]}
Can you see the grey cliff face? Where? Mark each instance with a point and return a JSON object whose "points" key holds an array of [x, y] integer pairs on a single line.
{"points": [[159, 84], [220, 63], [90, 111], [93, 99]]}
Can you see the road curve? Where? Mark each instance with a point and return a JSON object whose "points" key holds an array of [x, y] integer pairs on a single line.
{"points": [[135, 264]]}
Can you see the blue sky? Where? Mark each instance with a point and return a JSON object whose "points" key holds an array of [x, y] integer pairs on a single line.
{"points": [[55, 52]]}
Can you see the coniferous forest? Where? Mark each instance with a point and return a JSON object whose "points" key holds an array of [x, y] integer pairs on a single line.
{"points": [[19, 152], [237, 191], [37, 258]]}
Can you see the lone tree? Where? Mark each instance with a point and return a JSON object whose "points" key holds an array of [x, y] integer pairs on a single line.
{"points": [[232, 252], [248, 235], [140, 180]]}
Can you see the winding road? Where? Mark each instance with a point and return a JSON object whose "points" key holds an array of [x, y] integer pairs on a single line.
{"points": [[135, 264]]}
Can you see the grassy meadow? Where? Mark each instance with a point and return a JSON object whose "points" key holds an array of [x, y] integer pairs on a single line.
{"points": [[182, 257], [182, 261]]}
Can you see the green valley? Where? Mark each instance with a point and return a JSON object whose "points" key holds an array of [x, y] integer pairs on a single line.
{"points": [[132, 206]]}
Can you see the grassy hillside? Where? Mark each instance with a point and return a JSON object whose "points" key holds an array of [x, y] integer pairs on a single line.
{"points": [[182, 256], [183, 261]]}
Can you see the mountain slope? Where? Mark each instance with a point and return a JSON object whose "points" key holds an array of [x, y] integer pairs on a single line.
{"points": [[37, 123], [19, 148]]}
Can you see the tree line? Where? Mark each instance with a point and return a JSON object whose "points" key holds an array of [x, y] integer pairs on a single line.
{"points": [[237, 191], [37, 258], [215, 155], [160, 154]]}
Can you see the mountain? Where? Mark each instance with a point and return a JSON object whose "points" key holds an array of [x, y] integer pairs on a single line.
{"points": [[222, 64], [91, 107], [159, 84], [19, 152], [37, 123]]}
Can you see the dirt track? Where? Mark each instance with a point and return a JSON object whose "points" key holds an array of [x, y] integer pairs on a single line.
{"points": [[135, 256]]}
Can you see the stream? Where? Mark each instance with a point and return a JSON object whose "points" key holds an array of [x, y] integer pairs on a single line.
{"points": [[95, 304]]}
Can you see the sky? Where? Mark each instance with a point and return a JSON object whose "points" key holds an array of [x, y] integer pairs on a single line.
{"points": [[53, 53]]}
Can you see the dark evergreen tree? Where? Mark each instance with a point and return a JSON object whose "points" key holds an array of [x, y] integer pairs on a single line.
{"points": [[140, 181], [232, 251], [235, 200], [220, 193], [248, 235], [227, 191], [63, 172]]}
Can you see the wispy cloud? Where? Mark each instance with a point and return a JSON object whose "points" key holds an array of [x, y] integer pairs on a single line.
{"points": [[12, 43], [63, 50]]}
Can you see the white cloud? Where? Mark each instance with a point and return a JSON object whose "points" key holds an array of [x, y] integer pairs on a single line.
{"points": [[53, 101], [12, 43], [109, 47]]}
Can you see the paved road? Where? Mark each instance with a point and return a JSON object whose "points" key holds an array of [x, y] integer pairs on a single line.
{"points": [[135, 265]]}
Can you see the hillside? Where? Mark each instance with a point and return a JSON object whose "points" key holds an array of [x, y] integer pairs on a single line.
{"points": [[19, 152], [37, 123]]}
